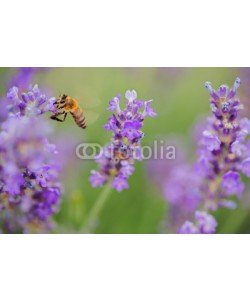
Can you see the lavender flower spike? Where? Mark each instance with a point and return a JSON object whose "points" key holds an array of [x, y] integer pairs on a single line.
{"points": [[21, 79], [116, 162], [29, 185], [223, 155], [31, 103]]}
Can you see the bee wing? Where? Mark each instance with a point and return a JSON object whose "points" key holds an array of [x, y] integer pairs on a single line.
{"points": [[91, 117]]}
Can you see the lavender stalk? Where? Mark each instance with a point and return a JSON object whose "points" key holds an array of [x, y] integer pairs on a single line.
{"points": [[224, 155], [116, 162]]}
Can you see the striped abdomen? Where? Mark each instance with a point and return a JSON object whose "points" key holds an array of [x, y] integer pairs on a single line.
{"points": [[79, 117]]}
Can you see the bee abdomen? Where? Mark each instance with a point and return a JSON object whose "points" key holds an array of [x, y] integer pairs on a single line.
{"points": [[79, 117]]}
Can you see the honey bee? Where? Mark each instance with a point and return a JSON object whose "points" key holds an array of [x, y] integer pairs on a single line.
{"points": [[66, 104]]}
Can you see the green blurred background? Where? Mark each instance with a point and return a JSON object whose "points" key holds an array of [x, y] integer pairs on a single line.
{"points": [[179, 100]]}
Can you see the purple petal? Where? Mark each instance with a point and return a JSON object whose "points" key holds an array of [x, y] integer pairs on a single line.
{"points": [[211, 91], [188, 228], [232, 92], [223, 90], [245, 167], [231, 184], [120, 183], [238, 148], [206, 222], [97, 179], [131, 95], [148, 111], [211, 141], [114, 104]]}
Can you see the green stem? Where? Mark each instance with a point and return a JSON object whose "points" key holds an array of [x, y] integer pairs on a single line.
{"points": [[97, 207]]}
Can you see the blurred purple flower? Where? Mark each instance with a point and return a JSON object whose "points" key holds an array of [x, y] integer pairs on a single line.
{"points": [[245, 90], [117, 158], [29, 186], [188, 228], [204, 223], [182, 190], [22, 78], [178, 183]]}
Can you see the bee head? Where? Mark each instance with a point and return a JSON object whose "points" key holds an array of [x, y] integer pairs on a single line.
{"points": [[63, 96]]}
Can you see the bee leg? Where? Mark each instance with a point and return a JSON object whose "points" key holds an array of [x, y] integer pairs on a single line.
{"points": [[55, 117], [64, 117], [61, 104]]}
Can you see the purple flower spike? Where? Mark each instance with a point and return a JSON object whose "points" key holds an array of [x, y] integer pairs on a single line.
{"points": [[29, 104], [21, 79], [29, 185], [116, 161], [224, 154]]}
